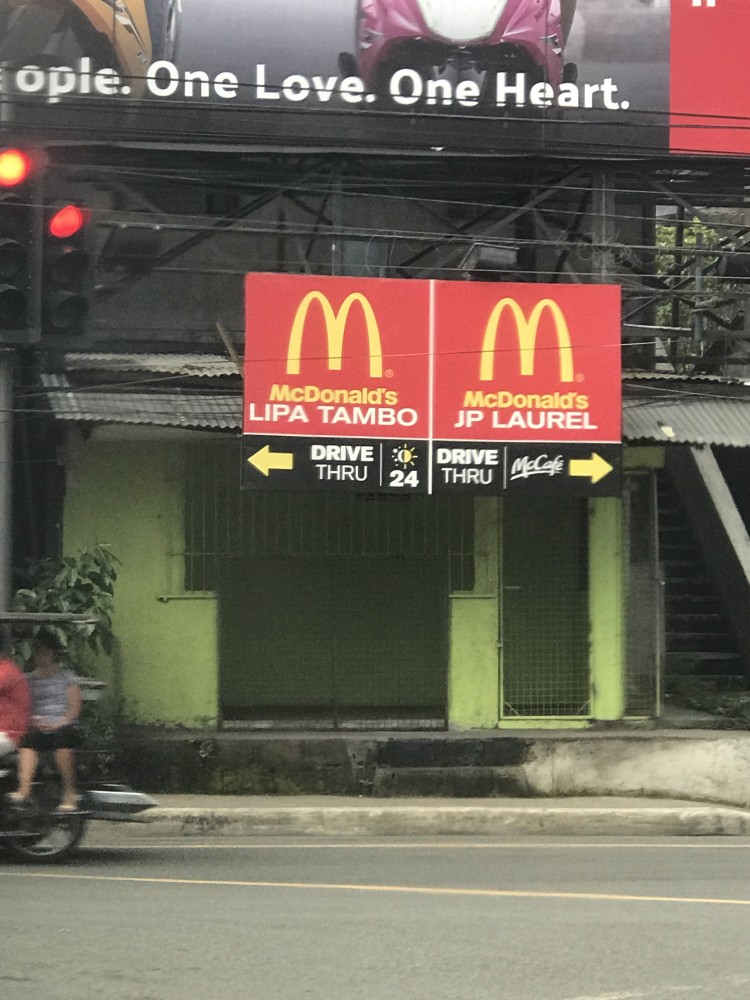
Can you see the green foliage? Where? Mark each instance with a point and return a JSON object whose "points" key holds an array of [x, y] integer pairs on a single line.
{"points": [[677, 258], [82, 584]]}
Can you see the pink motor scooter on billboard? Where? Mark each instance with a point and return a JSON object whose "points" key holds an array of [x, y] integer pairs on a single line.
{"points": [[471, 37]]}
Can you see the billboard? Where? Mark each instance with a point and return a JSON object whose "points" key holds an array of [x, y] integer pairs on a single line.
{"points": [[380, 384], [575, 76]]}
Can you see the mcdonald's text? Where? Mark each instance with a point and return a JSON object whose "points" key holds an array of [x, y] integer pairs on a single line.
{"points": [[316, 394], [548, 401]]}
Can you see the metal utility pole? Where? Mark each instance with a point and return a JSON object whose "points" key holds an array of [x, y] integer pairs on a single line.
{"points": [[6, 484], [20, 249]]}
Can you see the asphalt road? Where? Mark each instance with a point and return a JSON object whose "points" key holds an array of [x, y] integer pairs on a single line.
{"points": [[545, 919]]}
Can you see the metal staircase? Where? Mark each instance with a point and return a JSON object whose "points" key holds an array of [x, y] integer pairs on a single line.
{"points": [[701, 651]]}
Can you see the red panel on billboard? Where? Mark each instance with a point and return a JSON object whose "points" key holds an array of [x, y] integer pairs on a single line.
{"points": [[336, 357], [709, 91], [434, 360], [527, 362]]}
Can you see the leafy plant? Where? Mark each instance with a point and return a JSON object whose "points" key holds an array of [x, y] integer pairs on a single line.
{"points": [[82, 584], [716, 301]]}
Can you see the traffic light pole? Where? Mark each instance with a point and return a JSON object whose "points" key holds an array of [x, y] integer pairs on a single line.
{"points": [[6, 485]]}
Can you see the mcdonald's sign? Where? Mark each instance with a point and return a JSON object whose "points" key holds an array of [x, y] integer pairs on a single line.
{"points": [[341, 357], [526, 329], [335, 324], [336, 357], [527, 363]]}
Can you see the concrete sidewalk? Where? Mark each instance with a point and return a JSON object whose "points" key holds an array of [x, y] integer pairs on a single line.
{"points": [[236, 816]]}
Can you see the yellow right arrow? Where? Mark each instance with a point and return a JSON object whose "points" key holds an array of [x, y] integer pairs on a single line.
{"points": [[594, 468], [265, 460]]}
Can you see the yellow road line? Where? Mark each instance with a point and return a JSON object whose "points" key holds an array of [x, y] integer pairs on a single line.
{"points": [[399, 889]]}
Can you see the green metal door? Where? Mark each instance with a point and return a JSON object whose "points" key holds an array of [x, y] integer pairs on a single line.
{"points": [[544, 668]]}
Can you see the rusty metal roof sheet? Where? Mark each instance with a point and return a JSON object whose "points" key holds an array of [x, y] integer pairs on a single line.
{"points": [[662, 416], [162, 409], [636, 376], [694, 420], [189, 365]]}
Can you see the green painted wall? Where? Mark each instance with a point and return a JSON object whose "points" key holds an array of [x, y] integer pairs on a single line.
{"points": [[607, 545], [128, 494], [643, 458], [563, 634], [473, 667]]}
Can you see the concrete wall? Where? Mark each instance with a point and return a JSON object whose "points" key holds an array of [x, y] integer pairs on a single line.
{"points": [[714, 767], [690, 765], [128, 494]]}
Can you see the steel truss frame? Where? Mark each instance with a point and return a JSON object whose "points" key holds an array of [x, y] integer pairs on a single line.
{"points": [[565, 220]]}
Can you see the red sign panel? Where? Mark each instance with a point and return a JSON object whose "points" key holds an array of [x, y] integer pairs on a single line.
{"points": [[709, 91], [336, 357], [527, 362], [432, 360]]}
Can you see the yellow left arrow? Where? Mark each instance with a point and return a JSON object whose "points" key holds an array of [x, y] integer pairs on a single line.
{"points": [[266, 460]]}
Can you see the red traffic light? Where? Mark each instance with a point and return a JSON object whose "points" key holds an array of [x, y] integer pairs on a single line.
{"points": [[67, 221], [15, 167]]}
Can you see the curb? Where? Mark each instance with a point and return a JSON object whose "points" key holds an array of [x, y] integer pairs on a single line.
{"points": [[448, 820]]}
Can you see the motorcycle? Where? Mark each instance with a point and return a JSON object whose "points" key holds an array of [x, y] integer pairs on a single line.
{"points": [[472, 39], [37, 831]]}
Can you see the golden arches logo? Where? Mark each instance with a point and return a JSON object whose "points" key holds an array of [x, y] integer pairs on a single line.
{"points": [[526, 330], [335, 323]]}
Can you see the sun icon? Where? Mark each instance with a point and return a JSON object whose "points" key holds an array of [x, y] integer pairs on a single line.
{"points": [[405, 455]]}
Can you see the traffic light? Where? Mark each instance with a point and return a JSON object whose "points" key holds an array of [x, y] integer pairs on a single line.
{"points": [[67, 266], [19, 247]]}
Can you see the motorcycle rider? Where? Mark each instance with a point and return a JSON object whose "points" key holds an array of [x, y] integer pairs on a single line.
{"points": [[56, 707], [15, 705]]}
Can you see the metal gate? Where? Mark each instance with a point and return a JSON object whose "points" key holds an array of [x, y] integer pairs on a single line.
{"points": [[333, 607], [544, 613], [334, 642]]}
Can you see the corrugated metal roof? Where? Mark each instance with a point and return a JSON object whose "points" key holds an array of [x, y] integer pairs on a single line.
{"points": [[633, 376], [677, 418], [162, 409], [199, 365], [695, 420]]}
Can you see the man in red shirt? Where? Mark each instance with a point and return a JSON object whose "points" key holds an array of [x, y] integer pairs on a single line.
{"points": [[15, 705]]}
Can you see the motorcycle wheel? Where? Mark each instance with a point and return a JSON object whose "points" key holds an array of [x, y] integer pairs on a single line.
{"points": [[44, 834], [47, 837]]}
